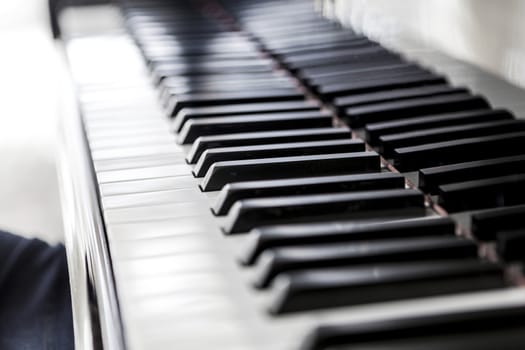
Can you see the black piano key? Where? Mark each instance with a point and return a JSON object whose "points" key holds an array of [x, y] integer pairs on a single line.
{"points": [[247, 214], [390, 142], [344, 62], [204, 143], [256, 117], [275, 150], [365, 73], [448, 152], [163, 71], [248, 108], [241, 109], [223, 173], [308, 185], [185, 86], [485, 225], [396, 94], [484, 193], [431, 178], [215, 82], [472, 324], [389, 83], [321, 47], [356, 81], [336, 56], [380, 112], [305, 34], [375, 55], [205, 100], [251, 123], [375, 130], [332, 287], [174, 85], [318, 78], [263, 238], [178, 127], [279, 260], [240, 65], [306, 74], [163, 51], [219, 57], [511, 244], [254, 87]]}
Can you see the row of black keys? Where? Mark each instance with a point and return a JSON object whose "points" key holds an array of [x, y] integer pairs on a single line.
{"points": [[410, 114], [311, 265], [269, 154], [477, 330], [423, 141]]}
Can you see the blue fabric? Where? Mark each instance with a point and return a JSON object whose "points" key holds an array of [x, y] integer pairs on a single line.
{"points": [[35, 302]]}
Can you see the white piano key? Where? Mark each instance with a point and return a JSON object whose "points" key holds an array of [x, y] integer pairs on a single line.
{"points": [[147, 185], [154, 212], [94, 126], [167, 265], [136, 151], [113, 133], [191, 224], [180, 169], [141, 199], [162, 246], [185, 283], [137, 162]]}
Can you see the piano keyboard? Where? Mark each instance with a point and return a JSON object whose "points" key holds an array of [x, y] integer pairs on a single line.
{"points": [[270, 180]]}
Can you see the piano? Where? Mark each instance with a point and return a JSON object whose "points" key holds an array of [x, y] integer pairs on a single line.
{"points": [[248, 175]]}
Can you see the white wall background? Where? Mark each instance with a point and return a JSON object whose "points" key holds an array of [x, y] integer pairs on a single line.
{"points": [[29, 202], [490, 33]]}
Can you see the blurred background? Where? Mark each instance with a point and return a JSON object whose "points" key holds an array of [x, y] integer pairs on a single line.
{"points": [[29, 199], [489, 33]]}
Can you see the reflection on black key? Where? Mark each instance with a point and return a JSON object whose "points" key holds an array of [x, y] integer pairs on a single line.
{"points": [[310, 73], [413, 138], [396, 94], [263, 238], [481, 194], [202, 100], [160, 73], [380, 56], [186, 114], [222, 173], [363, 74], [275, 150], [249, 213], [247, 108], [364, 86], [375, 130], [440, 153], [472, 324], [486, 224], [333, 56], [431, 178], [251, 123], [279, 260], [321, 47], [332, 287], [203, 143], [306, 185], [385, 111]]}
